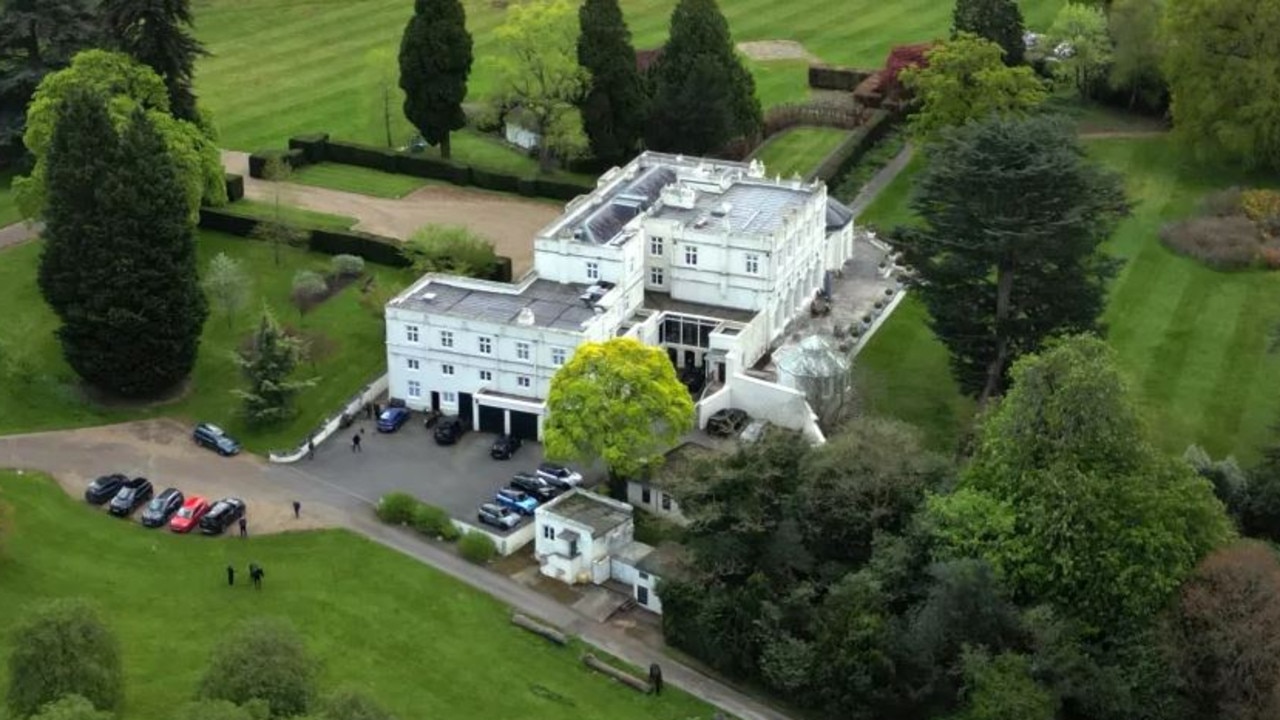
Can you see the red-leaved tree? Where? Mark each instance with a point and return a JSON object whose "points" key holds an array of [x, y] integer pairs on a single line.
{"points": [[901, 58], [1224, 634]]}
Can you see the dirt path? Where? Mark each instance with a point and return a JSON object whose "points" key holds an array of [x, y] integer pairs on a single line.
{"points": [[510, 222], [162, 451], [18, 233]]}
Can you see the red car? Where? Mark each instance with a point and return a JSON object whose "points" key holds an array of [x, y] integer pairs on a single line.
{"points": [[189, 516]]}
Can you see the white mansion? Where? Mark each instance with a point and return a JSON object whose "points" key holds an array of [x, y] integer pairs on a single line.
{"points": [[708, 259]]}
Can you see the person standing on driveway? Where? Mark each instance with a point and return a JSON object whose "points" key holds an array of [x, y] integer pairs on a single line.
{"points": [[355, 443], [311, 448], [297, 509], [244, 528]]}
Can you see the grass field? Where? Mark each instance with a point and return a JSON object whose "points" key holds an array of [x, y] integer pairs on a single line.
{"points": [[290, 215], [799, 150], [422, 643], [39, 391], [8, 204], [351, 178], [1193, 341], [285, 67]]}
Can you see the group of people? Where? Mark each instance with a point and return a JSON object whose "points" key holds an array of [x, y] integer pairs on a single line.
{"points": [[256, 574]]}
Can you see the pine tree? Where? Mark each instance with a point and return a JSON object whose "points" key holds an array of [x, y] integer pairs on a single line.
{"points": [[157, 33], [80, 158], [36, 38], [999, 21], [267, 367], [135, 330], [703, 94], [615, 106], [435, 61]]}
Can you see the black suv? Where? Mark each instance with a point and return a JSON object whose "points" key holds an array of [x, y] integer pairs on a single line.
{"points": [[727, 422], [449, 429], [220, 517], [134, 493], [504, 447], [215, 438], [541, 489], [104, 488], [159, 510]]}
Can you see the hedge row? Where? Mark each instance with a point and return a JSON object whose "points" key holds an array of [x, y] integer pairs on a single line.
{"points": [[258, 161], [404, 509], [319, 148], [832, 77], [853, 147], [235, 186], [373, 248]]}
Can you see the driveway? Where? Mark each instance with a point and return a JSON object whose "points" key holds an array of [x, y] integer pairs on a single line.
{"points": [[457, 477], [509, 221]]}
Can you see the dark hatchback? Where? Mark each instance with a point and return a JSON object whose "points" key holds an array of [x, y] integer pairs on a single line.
{"points": [[104, 488], [134, 493], [392, 418], [541, 489], [504, 447], [448, 430], [162, 507], [215, 438], [221, 516]]}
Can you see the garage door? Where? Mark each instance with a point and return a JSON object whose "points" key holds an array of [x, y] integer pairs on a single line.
{"points": [[464, 407], [524, 425], [492, 419]]}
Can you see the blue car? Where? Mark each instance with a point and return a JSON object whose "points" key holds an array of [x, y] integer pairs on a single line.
{"points": [[517, 500], [392, 418]]}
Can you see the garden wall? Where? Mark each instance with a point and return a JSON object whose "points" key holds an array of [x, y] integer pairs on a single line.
{"points": [[854, 147], [311, 149]]}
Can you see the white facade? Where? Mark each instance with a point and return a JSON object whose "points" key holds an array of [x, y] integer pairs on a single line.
{"points": [[710, 260]]}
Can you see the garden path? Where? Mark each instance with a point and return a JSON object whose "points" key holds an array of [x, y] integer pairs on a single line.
{"points": [[509, 222], [18, 232]]}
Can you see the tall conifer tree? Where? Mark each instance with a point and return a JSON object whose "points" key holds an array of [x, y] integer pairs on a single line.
{"points": [[435, 61], [614, 108], [157, 33]]}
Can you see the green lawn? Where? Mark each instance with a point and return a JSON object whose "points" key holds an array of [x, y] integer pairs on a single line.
{"points": [[39, 392], [352, 178], [422, 643], [1192, 340], [8, 203], [286, 67], [799, 150], [891, 206], [291, 215]]}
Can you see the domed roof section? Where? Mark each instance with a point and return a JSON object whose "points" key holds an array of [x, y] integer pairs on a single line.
{"points": [[814, 356], [838, 214]]}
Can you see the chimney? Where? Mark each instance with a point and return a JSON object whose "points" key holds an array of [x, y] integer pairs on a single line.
{"points": [[525, 317]]}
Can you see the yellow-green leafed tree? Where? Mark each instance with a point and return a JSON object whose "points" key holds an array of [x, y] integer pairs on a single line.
{"points": [[618, 401]]}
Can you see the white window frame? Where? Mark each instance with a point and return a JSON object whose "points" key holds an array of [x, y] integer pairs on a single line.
{"points": [[449, 397], [411, 333], [447, 369], [548, 532], [691, 255], [446, 338], [524, 381], [655, 246], [484, 344], [415, 389], [486, 375], [523, 351], [593, 270], [752, 264], [413, 364], [559, 356], [656, 276]]}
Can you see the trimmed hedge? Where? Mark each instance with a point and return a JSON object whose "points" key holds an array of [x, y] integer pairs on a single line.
{"points": [[397, 508], [235, 186], [853, 147], [319, 148], [258, 161], [833, 77], [477, 547], [223, 220]]}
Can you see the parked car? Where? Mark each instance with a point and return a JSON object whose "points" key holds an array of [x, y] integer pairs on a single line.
{"points": [[104, 488], [222, 515], [540, 488], [727, 422], [162, 507], [392, 418], [560, 475], [498, 516], [134, 493], [517, 500], [504, 447], [215, 438], [188, 516], [449, 429]]}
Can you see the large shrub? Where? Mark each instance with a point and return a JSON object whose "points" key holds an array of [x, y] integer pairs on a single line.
{"points": [[1228, 242], [397, 508], [477, 547], [263, 660], [347, 265], [434, 522], [62, 649], [450, 249]]}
